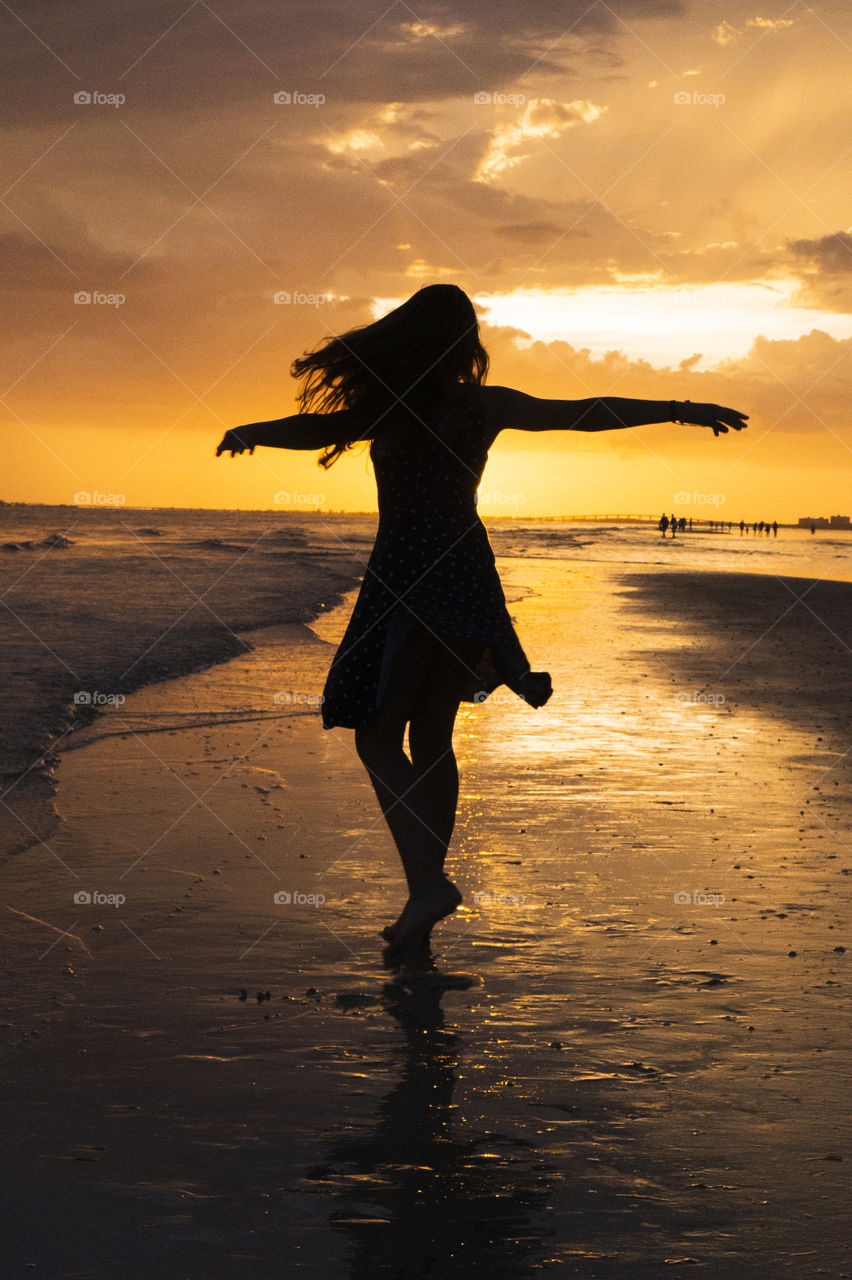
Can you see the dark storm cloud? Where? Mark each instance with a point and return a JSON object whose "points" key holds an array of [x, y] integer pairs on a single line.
{"points": [[831, 254], [176, 56], [827, 263]]}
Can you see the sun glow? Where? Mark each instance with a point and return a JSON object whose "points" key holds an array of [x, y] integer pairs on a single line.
{"points": [[663, 324]]}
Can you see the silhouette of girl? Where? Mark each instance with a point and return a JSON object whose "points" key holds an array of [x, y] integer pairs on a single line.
{"points": [[430, 628]]}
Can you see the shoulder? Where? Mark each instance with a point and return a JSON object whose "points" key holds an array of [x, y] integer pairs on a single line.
{"points": [[498, 407], [342, 426]]}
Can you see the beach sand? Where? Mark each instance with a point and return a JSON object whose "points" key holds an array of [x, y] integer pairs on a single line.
{"points": [[630, 1055]]}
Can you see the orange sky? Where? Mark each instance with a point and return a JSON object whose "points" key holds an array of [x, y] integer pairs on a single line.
{"points": [[643, 198]]}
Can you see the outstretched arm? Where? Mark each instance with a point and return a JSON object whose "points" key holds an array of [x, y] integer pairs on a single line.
{"points": [[512, 409], [299, 431]]}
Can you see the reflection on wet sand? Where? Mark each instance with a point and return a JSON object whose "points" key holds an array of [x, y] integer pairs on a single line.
{"points": [[531, 1169], [423, 1192]]}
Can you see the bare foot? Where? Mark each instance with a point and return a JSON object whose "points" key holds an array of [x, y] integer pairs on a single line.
{"points": [[391, 930], [423, 911]]}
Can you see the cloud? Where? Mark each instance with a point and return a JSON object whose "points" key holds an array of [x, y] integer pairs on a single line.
{"points": [[831, 254], [191, 58], [826, 267], [725, 33], [770, 24], [541, 118], [531, 233]]}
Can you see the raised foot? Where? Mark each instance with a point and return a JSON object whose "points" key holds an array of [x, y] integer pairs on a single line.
{"points": [[421, 912]]}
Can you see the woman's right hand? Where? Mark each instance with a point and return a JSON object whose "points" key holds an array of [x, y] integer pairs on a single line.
{"points": [[235, 440], [535, 688]]}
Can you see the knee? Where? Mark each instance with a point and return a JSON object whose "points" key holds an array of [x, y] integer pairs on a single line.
{"points": [[429, 743], [375, 747], [365, 744]]}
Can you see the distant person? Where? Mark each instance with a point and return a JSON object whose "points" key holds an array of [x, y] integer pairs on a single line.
{"points": [[690, 524], [742, 527], [681, 525], [768, 528], [813, 528], [664, 523], [674, 524], [754, 527], [775, 528], [430, 628]]}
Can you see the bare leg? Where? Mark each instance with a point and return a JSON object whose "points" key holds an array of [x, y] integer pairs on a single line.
{"points": [[418, 796]]}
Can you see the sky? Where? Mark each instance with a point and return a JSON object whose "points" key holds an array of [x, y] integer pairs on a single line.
{"points": [[643, 198]]}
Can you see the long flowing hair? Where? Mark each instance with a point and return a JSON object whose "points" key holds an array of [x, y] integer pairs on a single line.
{"points": [[403, 364]]}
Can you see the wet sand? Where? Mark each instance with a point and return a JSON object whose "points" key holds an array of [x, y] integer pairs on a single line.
{"points": [[124, 605], [630, 1055]]}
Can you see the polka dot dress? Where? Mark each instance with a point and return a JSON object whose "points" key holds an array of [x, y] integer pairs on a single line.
{"points": [[431, 564]]}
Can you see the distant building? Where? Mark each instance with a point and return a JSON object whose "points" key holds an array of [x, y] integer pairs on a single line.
{"points": [[840, 522], [818, 522]]}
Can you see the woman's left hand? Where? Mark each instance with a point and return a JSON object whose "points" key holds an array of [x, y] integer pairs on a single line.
{"points": [[715, 416]]}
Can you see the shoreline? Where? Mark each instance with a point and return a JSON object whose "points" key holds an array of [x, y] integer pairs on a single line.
{"points": [[91, 653], [28, 815]]}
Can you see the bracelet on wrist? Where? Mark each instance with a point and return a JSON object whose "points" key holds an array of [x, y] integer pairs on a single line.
{"points": [[678, 410]]}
